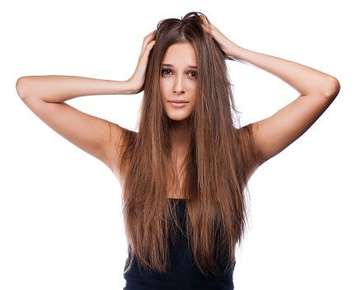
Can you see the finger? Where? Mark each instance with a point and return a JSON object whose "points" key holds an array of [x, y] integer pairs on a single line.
{"points": [[148, 38], [206, 28], [148, 46], [151, 35], [205, 21]]}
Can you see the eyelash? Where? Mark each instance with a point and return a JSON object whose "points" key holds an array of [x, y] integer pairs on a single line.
{"points": [[166, 69]]}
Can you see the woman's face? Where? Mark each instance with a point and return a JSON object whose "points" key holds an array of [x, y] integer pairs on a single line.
{"points": [[178, 80]]}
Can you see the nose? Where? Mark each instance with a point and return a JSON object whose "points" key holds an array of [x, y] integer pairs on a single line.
{"points": [[178, 85]]}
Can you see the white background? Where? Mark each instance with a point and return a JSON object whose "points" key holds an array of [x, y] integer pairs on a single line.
{"points": [[60, 208]]}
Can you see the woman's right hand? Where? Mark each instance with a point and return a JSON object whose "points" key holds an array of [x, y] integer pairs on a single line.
{"points": [[138, 77]]}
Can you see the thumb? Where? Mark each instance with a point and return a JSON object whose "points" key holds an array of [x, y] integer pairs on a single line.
{"points": [[150, 45]]}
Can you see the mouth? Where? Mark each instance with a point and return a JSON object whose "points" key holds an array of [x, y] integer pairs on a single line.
{"points": [[178, 101], [178, 104]]}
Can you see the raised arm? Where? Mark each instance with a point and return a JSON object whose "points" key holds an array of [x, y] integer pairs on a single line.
{"points": [[46, 96], [317, 92]]}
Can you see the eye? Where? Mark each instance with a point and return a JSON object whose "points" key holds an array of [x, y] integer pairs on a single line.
{"points": [[194, 73], [164, 70]]}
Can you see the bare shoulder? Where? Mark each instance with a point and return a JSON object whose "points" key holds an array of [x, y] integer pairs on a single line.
{"points": [[118, 139], [249, 148]]}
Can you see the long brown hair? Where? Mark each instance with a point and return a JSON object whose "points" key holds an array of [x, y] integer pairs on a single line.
{"points": [[215, 169]]}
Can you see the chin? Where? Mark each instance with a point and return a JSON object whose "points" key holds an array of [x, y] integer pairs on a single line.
{"points": [[178, 114], [178, 117]]}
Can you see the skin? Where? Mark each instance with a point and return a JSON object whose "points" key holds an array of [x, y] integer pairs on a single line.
{"points": [[46, 96], [179, 81]]}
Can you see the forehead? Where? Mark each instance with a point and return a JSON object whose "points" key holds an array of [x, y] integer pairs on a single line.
{"points": [[180, 54]]}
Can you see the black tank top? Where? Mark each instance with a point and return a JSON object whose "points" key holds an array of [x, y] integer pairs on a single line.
{"points": [[183, 274]]}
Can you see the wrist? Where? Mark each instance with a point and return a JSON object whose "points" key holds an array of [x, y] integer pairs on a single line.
{"points": [[126, 87], [239, 53]]}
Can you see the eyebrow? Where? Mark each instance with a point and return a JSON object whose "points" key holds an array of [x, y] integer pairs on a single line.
{"points": [[170, 65]]}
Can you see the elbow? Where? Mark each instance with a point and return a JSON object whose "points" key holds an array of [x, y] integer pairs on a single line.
{"points": [[20, 86], [333, 88]]}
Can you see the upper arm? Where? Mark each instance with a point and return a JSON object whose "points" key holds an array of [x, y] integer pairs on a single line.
{"points": [[93, 135], [273, 134]]}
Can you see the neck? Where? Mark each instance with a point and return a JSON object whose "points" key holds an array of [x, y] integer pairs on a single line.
{"points": [[179, 134]]}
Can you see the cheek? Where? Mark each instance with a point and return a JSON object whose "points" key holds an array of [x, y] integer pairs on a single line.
{"points": [[165, 88], [166, 85]]}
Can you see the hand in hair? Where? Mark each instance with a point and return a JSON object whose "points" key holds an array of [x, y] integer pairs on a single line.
{"points": [[138, 77], [229, 47]]}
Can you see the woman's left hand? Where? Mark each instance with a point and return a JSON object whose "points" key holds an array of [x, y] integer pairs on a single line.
{"points": [[228, 46]]}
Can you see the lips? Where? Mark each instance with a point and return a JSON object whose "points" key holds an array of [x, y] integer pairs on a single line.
{"points": [[178, 101]]}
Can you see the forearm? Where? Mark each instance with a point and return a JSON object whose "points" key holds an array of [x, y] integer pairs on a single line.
{"points": [[59, 88], [304, 79]]}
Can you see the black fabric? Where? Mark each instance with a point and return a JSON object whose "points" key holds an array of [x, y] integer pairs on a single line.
{"points": [[183, 274]]}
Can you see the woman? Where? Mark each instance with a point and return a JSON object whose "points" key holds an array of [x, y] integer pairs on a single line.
{"points": [[186, 169]]}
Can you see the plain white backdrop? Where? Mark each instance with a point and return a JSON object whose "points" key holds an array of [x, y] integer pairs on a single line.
{"points": [[60, 209]]}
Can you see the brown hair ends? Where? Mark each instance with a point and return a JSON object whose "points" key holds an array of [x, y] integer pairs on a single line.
{"points": [[215, 168]]}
